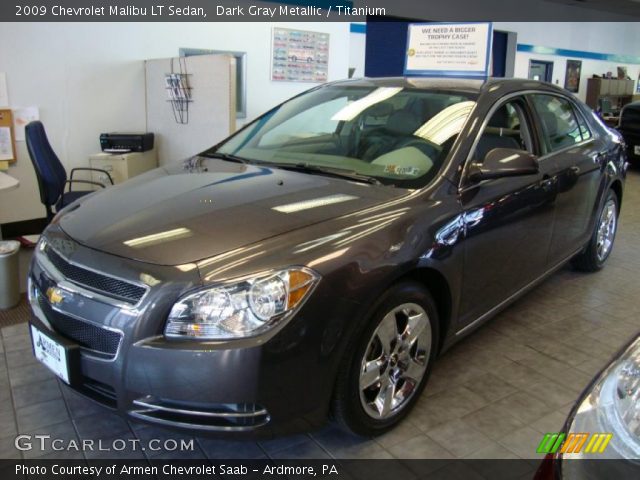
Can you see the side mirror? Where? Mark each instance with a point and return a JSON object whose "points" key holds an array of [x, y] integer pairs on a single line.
{"points": [[504, 162]]}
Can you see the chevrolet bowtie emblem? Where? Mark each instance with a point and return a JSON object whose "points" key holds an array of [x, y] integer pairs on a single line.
{"points": [[55, 295]]}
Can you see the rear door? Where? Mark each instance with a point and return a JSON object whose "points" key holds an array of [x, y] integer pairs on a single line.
{"points": [[579, 157]]}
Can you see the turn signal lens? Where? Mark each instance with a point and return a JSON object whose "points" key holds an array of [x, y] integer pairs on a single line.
{"points": [[300, 282]]}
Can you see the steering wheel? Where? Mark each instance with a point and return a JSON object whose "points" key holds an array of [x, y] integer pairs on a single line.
{"points": [[432, 149], [378, 135], [380, 131]]}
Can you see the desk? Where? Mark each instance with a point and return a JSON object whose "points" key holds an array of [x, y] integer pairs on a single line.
{"points": [[7, 182], [611, 121]]}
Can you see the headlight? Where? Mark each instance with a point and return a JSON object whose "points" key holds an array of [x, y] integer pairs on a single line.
{"points": [[242, 308], [613, 406]]}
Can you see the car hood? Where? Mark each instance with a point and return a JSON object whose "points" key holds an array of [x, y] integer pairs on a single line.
{"points": [[187, 212]]}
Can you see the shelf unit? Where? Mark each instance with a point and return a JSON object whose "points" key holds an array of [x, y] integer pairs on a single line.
{"points": [[618, 92]]}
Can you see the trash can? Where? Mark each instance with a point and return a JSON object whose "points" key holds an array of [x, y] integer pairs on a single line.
{"points": [[9, 274]]}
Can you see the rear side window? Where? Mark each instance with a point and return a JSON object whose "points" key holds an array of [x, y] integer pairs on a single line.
{"points": [[584, 126], [559, 124]]}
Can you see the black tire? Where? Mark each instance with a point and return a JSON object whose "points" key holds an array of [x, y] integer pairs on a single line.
{"points": [[347, 407], [589, 260]]}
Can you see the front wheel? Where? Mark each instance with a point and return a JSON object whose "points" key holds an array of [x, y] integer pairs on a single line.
{"points": [[599, 248], [379, 384]]}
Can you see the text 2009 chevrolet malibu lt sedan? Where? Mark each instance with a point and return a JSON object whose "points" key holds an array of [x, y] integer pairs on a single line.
{"points": [[319, 260]]}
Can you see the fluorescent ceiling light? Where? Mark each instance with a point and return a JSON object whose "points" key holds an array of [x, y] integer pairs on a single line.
{"points": [[313, 203], [354, 109], [158, 237]]}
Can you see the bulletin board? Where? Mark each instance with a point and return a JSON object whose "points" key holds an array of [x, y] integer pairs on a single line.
{"points": [[299, 56], [7, 137]]}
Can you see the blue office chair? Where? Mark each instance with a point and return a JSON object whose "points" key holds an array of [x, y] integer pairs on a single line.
{"points": [[52, 177]]}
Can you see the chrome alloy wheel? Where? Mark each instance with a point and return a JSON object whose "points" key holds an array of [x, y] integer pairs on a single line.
{"points": [[606, 229], [395, 361]]}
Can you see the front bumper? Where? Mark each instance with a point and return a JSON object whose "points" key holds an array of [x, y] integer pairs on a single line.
{"points": [[242, 387]]}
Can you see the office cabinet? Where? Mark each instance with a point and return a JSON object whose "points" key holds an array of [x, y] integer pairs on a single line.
{"points": [[122, 166], [613, 92]]}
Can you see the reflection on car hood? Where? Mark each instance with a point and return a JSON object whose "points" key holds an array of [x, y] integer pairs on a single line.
{"points": [[175, 215]]}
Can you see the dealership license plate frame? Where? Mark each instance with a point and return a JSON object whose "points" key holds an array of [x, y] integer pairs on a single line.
{"points": [[66, 365]]}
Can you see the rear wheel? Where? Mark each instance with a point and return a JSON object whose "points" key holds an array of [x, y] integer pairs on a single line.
{"points": [[379, 384], [599, 248]]}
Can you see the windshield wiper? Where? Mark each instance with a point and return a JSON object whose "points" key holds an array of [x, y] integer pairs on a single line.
{"points": [[330, 172], [226, 156]]}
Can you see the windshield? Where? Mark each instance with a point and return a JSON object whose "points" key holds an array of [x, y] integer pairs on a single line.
{"points": [[396, 135]]}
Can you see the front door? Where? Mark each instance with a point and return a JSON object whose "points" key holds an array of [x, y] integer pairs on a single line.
{"points": [[509, 221]]}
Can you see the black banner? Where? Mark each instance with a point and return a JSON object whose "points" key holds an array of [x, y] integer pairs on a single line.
{"points": [[319, 469], [306, 10]]}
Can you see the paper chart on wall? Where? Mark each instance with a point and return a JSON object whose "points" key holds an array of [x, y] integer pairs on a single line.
{"points": [[4, 95], [6, 146], [299, 56], [21, 117]]}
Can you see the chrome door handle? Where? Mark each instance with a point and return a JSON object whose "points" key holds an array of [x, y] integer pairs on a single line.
{"points": [[546, 183], [599, 157]]}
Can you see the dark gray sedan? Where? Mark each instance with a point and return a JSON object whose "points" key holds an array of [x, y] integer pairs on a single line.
{"points": [[322, 257]]}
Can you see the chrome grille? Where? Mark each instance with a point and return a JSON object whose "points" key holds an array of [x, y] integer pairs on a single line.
{"points": [[84, 333], [97, 282]]}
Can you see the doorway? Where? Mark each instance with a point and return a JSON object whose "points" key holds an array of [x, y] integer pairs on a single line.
{"points": [[540, 70]]}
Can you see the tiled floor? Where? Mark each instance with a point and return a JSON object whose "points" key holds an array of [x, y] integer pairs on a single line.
{"points": [[491, 396]]}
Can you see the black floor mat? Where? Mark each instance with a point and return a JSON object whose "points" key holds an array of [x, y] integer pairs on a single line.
{"points": [[18, 314]]}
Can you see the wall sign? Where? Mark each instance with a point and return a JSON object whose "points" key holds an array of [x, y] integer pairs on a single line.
{"points": [[449, 49], [299, 56], [572, 75]]}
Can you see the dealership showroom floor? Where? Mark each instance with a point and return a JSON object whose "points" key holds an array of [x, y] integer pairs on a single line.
{"points": [[491, 396]]}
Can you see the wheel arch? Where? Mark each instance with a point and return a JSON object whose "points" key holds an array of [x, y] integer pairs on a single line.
{"points": [[616, 186], [437, 284]]}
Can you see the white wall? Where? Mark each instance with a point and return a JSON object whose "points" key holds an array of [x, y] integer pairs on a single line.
{"points": [[618, 38], [88, 78], [357, 45], [612, 38]]}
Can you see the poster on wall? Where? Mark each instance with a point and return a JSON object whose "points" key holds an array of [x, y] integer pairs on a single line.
{"points": [[572, 75], [4, 96], [21, 117], [299, 56], [449, 49]]}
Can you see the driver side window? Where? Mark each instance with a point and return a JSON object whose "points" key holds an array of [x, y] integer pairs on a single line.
{"points": [[507, 128]]}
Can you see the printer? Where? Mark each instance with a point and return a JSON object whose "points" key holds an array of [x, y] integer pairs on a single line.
{"points": [[126, 142]]}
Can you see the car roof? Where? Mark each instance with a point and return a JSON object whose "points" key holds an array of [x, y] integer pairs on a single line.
{"points": [[453, 84]]}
